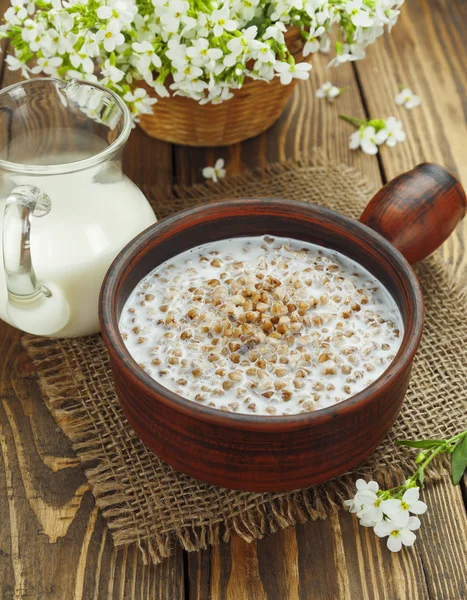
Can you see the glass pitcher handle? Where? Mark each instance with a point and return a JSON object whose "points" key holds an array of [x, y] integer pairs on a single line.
{"points": [[23, 203], [32, 306]]}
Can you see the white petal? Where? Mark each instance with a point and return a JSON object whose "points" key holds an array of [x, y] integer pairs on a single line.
{"points": [[367, 522], [391, 507], [109, 44], [369, 147], [411, 495], [382, 529], [354, 142], [376, 514], [104, 12], [407, 537], [219, 164], [400, 98], [401, 136], [208, 172], [360, 484], [367, 497], [369, 132], [372, 485], [401, 518], [282, 67], [381, 136], [394, 544], [413, 102], [418, 507], [414, 523]]}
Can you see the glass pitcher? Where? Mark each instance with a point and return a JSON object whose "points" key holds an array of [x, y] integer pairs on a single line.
{"points": [[67, 207]]}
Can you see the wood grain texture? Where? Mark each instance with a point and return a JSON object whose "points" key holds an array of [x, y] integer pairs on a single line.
{"points": [[418, 210], [338, 559], [43, 493], [427, 51]]}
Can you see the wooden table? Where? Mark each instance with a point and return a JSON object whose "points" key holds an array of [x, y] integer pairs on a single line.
{"points": [[54, 543]]}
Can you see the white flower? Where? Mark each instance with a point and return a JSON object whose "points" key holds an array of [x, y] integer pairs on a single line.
{"points": [[408, 99], [32, 33], [266, 55], [16, 13], [365, 492], [177, 54], [398, 510], [348, 53], [201, 54], [220, 20], [275, 32], [110, 36], [122, 12], [241, 45], [49, 42], [367, 139], [398, 535], [245, 9], [48, 66], [200, 49], [287, 72], [393, 132], [111, 72], [148, 58], [81, 60], [216, 172], [145, 29], [172, 15], [360, 13], [313, 44], [328, 91], [139, 101], [15, 64]]}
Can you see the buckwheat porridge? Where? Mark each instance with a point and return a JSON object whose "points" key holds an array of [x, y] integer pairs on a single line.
{"points": [[262, 325]]}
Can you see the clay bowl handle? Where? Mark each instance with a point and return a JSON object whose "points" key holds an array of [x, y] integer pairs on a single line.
{"points": [[418, 210]]}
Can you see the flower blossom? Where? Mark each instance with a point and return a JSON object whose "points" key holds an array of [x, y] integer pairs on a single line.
{"points": [[216, 172], [408, 99]]}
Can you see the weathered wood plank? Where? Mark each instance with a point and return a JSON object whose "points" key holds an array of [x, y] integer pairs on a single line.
{"points": [[53, 542], [337, 558], [427, 51]]}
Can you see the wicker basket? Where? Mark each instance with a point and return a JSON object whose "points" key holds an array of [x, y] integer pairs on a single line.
{"points": [[252, 110]]}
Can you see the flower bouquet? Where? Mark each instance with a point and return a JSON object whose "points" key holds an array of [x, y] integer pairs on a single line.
{"points": [[218, 71]]}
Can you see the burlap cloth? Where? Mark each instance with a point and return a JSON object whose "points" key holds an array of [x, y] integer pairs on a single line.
{"points": [[144, 500]]}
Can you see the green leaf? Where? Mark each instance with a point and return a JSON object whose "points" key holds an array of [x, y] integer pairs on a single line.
{"points": [[459, 460], [420, 443], [421, 476]]}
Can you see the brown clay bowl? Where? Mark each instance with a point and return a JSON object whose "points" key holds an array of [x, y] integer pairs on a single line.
{"points": [[417, 211]]}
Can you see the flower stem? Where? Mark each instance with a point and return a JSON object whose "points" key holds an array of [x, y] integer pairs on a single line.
{"points": [[353, 120]]}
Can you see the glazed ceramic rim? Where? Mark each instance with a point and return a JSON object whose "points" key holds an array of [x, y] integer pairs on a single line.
{"points": [[109, 326]]}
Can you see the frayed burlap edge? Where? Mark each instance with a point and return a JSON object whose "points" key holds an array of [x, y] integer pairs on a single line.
{"points": [[267, 512], [270, 512]]}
